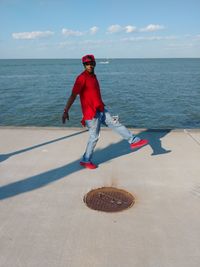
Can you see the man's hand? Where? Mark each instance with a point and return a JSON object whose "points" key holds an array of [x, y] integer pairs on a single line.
{"points": [[67, 107], [65, 116]]}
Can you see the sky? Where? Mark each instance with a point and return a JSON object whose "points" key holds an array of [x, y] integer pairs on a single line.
{"points": [[105, 28]]}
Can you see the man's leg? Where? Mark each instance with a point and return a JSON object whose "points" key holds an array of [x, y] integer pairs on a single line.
{"points": [[94, 129], [115, 125], [134, 141]]}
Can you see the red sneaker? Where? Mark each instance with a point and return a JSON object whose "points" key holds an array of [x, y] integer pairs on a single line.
{"points": [[88, 165], [138, 144]]}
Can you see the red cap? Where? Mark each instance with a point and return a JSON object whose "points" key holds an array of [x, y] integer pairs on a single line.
{"points": [[88, 58]]}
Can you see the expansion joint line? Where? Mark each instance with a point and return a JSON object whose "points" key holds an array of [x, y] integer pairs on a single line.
{"points": [[188, 133]]}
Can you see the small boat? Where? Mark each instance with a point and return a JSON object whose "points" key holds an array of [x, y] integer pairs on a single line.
{"points": [[104, 62]]}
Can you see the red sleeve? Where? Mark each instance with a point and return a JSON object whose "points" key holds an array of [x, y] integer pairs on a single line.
{"points": [[78, 85]]}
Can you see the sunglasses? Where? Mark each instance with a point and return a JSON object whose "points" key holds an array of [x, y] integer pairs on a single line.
{"points": [[91, 63]]}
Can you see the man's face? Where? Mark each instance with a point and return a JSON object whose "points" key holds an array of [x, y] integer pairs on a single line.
{"points": [[89, 66]]}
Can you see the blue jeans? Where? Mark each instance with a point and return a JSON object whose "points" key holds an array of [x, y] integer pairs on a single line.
{"points": [[94, 126]]}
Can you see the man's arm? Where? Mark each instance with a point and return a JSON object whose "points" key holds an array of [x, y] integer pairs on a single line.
{"points": [[67, 107]]}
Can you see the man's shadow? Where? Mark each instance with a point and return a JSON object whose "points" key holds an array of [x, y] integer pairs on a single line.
{"points": [[101, 155], [6, 156], [116, 150], [154, 137]]}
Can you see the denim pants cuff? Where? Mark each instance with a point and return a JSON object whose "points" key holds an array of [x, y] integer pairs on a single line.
{"points": [[85, 159]]}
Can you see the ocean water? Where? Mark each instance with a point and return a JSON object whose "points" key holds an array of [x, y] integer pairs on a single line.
{"points": [[144, 93]]}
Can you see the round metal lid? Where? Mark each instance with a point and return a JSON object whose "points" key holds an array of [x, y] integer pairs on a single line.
{"points": [[109, 199]]}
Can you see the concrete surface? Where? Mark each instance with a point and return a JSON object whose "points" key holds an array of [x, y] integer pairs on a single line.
{"points": [[45, 223]]}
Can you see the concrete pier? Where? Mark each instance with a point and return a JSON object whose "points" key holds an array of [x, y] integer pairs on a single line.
{"points": [[45, 223]]}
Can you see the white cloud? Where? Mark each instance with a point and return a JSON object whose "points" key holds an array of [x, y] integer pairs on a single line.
{"points": [[152, 28], [197, 37], [85, 44], [114, 28], [31, 35], [65, 44], [68, 32], [129, 29], [180, 46], [148, 38], [92, 42], [93, 30], [117, 28]]}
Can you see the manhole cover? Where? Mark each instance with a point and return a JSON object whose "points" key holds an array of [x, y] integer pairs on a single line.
{"points": [[109, 199]]}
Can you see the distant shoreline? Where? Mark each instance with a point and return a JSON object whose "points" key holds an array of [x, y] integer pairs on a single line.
{"points": [[100, 58]]}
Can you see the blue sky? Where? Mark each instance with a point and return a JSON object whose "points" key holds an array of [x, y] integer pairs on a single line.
{"points": [[106, 28]]}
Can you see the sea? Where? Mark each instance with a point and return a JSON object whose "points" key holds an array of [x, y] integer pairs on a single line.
{"points": [[144, 93]]}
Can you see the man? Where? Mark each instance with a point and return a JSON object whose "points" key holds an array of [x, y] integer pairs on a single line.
{"points": [[94, 112]]}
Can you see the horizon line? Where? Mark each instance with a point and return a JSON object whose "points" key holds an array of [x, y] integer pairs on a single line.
{"points": [[107, 58]]}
